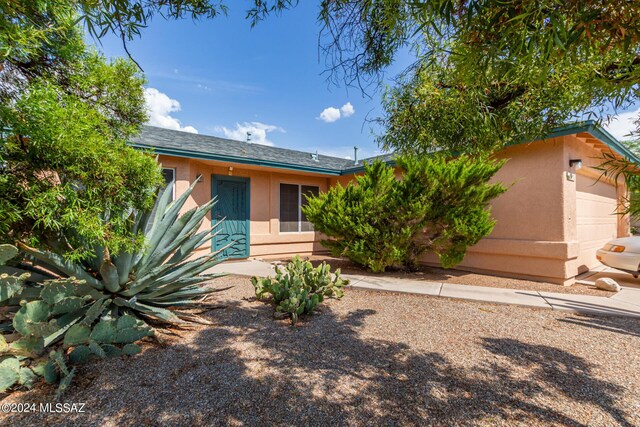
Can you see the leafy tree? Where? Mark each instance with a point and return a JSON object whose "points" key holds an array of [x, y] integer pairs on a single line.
{"points": [[364, 37], [67, 174], [488, 72], [67, 113], [380, 221]]}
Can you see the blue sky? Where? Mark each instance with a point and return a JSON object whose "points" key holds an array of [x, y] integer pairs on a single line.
{"points": [[220, 77]]}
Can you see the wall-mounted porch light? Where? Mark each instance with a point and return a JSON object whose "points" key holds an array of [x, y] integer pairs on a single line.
{"points": [[577, 163]]}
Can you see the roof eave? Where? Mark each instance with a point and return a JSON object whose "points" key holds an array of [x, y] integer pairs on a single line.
{"points": [[360, 168], [605, 137], [175, 152]]}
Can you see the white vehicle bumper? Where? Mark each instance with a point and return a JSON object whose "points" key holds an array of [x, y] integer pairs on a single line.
{"points": [[620, 260]]}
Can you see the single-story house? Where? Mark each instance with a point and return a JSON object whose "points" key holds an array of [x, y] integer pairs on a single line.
{"points": [[557, 212]]}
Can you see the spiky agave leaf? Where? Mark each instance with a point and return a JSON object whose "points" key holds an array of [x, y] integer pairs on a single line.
{"points": [[80, 306]]}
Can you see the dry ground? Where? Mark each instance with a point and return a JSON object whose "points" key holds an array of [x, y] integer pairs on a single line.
{"points": [[460, 277], [368, 359]]}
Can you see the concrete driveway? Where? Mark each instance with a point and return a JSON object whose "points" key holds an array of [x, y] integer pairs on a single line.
{"points": [[625, 280], [630, 292]]}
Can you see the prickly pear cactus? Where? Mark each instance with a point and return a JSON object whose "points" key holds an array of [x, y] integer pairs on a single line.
{"points": [[7, 252], [10, 286], [300, 287], [108, 338], [87, 308], [9, 371]]}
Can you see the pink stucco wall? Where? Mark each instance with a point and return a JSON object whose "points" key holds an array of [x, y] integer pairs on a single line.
{"points": [[536, 235], [537, 231], [265, 237]]}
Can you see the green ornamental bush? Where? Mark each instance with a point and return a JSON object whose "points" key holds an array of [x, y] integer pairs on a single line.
{"points": [[381, 221], [300, 288]]}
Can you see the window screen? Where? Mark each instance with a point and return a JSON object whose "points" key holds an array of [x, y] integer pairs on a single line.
{"points": [[289, 208], [169, 175], [292, 196], [307, 190]]}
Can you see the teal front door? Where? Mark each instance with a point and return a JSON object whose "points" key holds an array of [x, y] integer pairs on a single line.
{"points": [[233, 207]]}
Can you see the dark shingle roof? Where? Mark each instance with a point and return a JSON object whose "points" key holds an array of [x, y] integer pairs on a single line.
{"points": [[184, 144]]}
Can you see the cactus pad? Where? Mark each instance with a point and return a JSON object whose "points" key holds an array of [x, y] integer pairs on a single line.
{"points": [[76, 335], [9, 372], [104, 332], [7, 252], [10, 286], [31, 317], [80, 354]]}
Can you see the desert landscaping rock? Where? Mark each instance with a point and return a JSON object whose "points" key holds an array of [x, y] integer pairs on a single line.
{"points": [[372, 358], [607, 284]]}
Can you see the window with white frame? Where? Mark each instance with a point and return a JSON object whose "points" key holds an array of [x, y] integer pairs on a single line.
{"points": [[292, 198], [169, 175]]}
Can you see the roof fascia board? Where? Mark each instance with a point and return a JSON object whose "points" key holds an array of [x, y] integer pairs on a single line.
{"points": [[588, 126], [605, 137], [357, 169], [233, 159]]}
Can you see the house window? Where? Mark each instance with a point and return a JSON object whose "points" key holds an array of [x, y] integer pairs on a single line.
{"points": [[169, 175], [292, 198]]}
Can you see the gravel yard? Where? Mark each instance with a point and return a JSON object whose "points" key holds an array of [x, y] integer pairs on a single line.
{"points": [[368, 359]]}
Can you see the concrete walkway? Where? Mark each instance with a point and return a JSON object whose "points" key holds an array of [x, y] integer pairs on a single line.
{"points": [[250, 267], [624, 303]]}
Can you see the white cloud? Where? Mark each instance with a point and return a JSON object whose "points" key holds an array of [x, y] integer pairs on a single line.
{"points": [[160, 107], [347, 110], [259, 132], [330, 115], [623, 124]]}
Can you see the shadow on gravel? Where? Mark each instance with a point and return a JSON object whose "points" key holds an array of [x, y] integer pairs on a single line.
{"points": [[620, 325], [570, 375], [249, 369]]}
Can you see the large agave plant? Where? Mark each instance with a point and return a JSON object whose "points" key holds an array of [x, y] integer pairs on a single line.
{"points": [[101, 306], [159, 276]]}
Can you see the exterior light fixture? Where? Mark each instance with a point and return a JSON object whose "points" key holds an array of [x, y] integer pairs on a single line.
{"points": [[577, 163]]}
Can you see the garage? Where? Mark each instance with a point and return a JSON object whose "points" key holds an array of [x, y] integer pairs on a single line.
{"points": [[596, 219]]}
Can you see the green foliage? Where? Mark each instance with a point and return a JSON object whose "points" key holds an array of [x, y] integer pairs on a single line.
{"points": [[380, 221], [9, 371], [35, 327], [441, 107], [490, 73], [67, 113], [144, 282], [625, 170], [101, 306], [300, 287], [127, 18], [363, 37]]}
